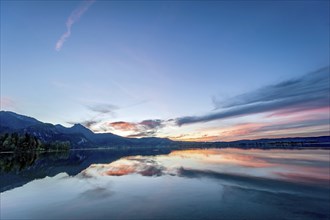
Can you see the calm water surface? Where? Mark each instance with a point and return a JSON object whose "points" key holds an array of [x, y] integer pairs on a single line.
{"points": [[185, 184]]}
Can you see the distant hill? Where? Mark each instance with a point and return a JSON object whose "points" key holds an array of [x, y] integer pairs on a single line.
{"points": [[270, 143]]}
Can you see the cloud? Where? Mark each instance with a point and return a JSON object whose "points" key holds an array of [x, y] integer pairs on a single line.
{"points": [[123, 126], [293, 125], [99, 123], [288, 183], [310, 91], [103, 108], [143, 134], [315, 85], [290, 127], [73, 18], [144, 128], [86, 123], [151, 124], [90, 123]]}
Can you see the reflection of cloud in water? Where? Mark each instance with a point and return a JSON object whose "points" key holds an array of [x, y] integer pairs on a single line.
{"points": [[189, 184], [257, 183], [306, 178], [223, 157], [264, 163], [281, 181], [96, 193], [146, 166], [297, 166], [256, 157]]}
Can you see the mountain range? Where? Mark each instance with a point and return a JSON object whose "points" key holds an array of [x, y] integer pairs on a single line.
{"points": [[78, 135], [81, 137]]}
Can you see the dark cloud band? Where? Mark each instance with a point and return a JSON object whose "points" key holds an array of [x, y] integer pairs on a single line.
{"points": [[311, 91]]}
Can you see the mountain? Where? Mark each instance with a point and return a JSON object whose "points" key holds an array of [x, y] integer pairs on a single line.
{"points": [[78, 135], [11, 120], [76, 129], [81, 137], [155, 140], [97, 138]]}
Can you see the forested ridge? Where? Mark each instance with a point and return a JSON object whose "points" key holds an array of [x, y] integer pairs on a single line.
{"points": [[28, 142]]}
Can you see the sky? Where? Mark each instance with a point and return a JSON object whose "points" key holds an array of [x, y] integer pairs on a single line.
{"points": [[186, 70]]}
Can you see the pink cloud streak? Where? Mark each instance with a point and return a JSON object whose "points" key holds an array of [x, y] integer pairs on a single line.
{"points": [[7, 103]]}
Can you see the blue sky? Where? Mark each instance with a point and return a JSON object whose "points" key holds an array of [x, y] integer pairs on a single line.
{"points": [[137, 68]]}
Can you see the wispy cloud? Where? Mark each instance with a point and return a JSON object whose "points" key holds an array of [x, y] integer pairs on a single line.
{"points": [[103, 108], [294, 125], [98, 119], [106, 108], [310, 91], [90, 123], [285, 128], [87, 123], [73, 18], [314, 85]]}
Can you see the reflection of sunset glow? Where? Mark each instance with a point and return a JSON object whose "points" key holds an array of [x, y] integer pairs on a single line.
{"points": [[309, 166], [306, 178], [216, 156], [296, 165]]}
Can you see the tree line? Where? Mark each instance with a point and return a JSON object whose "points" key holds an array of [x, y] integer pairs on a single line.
{"points": [[27, 142]]}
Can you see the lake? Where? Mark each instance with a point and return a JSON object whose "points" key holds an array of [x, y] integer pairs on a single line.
{"points": [[167, 184]]}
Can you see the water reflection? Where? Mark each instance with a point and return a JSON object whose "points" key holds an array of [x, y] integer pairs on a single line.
{"points": [[202, 184], [298, 166], [17, 162], [21, 168], [294, 165], [137, 164]]}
